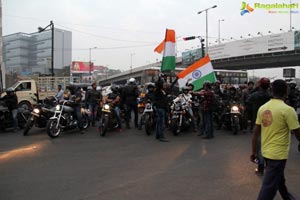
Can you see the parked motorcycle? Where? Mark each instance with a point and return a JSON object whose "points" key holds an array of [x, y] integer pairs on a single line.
{"points": [[64, 119], [6, 120], [147, 118], [180, 119], [108, 119], [40, 114]]}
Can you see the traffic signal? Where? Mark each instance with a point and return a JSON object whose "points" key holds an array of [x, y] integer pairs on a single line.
{"points": [[202, 47], [189, 38]]}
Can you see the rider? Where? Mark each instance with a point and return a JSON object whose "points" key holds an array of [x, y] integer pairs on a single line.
{"points": [[60, 93], [186, 98], [92, 98], [114, 98], [11, 101], [293, 94], [75, 93], [150, 92]]}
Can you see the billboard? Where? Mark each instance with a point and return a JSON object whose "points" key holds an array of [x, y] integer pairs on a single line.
{"points": [[289, 73], [257, 45], [82, 67]]}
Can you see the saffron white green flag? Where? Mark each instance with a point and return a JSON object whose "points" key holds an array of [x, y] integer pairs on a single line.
{"points": [[197, 74], [169, 60]]}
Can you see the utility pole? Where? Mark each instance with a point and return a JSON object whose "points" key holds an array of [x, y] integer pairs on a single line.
{"points": [[2, 66]]}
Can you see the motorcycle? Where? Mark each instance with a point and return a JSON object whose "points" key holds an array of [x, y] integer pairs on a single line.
{"points": [[63, 119], [6, 120], [108, 119], [40, 114], [141, 104], [147, 118], [180, 119], [232, 118]]}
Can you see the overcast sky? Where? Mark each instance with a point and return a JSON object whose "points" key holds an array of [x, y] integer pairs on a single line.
{"points": [[125, 29]]}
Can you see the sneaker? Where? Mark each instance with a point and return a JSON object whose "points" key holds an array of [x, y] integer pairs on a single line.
{"points": [[163, 139]]}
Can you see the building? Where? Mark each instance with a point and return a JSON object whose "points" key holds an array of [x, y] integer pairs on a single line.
{"points": [[26, 54]]}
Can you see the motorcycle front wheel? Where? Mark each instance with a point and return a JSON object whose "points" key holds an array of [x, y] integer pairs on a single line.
{"points": [[103, 126], [28, 126], [85, 121], [148, 124], [51, 128], [175, 127]]}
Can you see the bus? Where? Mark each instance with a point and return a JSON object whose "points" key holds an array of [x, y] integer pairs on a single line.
{"points": [[232, 77]]}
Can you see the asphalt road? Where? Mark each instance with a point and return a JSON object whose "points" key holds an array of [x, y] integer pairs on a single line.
{"points": [[131, 165]]}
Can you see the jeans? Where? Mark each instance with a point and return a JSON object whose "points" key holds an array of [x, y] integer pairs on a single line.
{"points": [[93, 112], [79, 116], [129, 108], [274, 180], [261, 161], [117, 112], [14, 114], [208, 124], [160, 121]]}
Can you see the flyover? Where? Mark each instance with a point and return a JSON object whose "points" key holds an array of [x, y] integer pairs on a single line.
{"points": [[269, 51], [249, 62]]}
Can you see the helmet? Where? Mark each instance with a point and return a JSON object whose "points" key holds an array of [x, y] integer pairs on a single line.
{"points": [[114, 88], [151, 85], [10, 90], [99, 88], [131, 80], [264, 83]]}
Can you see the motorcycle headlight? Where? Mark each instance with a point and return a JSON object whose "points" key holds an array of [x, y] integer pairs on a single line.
{"points": [[36, 110], [177, 108], [57, 107], [235, 108], [106, 107], [148, 106]]}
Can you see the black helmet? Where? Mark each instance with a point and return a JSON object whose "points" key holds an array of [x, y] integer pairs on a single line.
{"points": [[10, 90], [114, 88]]}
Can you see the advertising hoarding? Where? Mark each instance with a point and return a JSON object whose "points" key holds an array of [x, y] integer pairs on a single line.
{"points": [[257, 45], [81, 67]]}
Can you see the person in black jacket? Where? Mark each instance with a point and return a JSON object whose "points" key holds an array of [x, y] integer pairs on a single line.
{"points": [[11, 101], [130, 94], [92, 100], [161, 105], [257, 99]]}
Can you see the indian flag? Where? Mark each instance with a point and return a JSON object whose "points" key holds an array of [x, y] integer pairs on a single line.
{"points": [[169, 61], [197, 74]]}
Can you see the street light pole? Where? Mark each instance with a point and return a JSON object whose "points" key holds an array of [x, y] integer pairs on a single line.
{"points": [[206, 24], [90, 55], [219, 35]]}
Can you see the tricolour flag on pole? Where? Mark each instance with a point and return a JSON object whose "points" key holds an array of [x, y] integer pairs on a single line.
{"points": [[169, 60], [160, 47], [197, 74]]}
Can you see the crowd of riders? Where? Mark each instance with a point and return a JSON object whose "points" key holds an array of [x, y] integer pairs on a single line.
{"points": [[204, 107]]}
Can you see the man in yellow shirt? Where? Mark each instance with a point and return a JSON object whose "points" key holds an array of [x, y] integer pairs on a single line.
{"points": [[274, 123]]}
